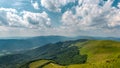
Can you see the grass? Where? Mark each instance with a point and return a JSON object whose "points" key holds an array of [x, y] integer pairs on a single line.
{"points": [[99, 50], [101, 54], [38, 63], [52, 65], [105, 64]]}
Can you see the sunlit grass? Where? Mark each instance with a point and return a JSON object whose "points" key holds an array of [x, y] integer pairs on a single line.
{"points": [[101, 54], [52, 65], [38, 63]]}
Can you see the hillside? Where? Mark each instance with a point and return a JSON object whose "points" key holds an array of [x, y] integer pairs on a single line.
{"points": [[11, 45], [25, 43], [57, 52], [101, 54], [81, 53]]}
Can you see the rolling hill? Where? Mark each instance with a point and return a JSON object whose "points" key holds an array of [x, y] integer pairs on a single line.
{"points": [[8, 45], [57, 52], [81, 53], [101, 54]]}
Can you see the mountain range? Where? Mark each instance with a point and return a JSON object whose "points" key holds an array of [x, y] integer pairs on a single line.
{"points": [[82, 53], [11, 45]]}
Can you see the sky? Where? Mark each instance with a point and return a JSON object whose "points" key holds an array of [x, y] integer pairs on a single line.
{"points": [[59, 17]]}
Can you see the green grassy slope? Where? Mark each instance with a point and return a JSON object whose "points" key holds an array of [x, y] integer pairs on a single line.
{"points": [[37, 63], [44, 64], [101, 54], [101, 50]]}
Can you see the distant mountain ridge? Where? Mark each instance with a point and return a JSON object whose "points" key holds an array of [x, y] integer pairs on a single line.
{"points": [[98, 38], [26, 43]]}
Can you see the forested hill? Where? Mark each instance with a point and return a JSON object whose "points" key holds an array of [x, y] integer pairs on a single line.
{"points": [[81, 53]]}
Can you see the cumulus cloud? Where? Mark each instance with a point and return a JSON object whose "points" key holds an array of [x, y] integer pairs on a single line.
{"points": [[118, 5], [55, 5], [36, 20], [91, 16], [35, 4], [24, 23], [7, 15], [88, 17], [12, 18]]}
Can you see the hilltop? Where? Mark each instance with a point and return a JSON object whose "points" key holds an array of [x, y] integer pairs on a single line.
{"points": [[72, 54]]}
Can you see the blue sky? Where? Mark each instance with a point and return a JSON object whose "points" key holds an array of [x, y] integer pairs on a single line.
{"points": [[59, 17]]}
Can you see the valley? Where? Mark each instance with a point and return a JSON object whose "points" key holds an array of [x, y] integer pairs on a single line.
{"points": [[13, 45], [82, 53]]}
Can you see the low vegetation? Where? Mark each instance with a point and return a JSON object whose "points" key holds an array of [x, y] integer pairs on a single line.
{"points": [[71, 54], [101, 54]]}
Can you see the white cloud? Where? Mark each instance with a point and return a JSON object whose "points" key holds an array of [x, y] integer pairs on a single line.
{"points": [[9, 17], [55, 5], [37, 20], [118, 5], [24, 23], [90, 16], [12, 18], [2, 28], [35, 5]]}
